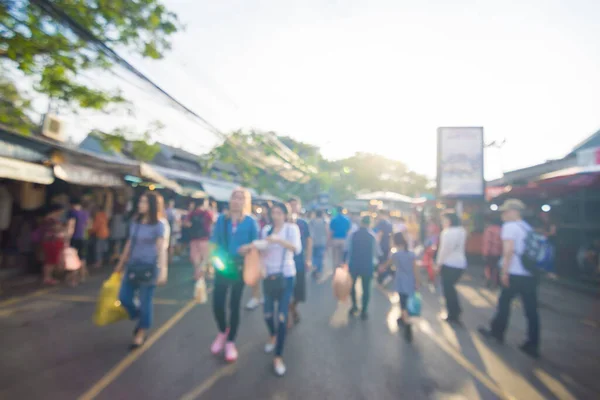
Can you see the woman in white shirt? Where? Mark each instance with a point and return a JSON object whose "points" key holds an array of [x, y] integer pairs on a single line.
{"points": [[451, 262], [278, 259]]}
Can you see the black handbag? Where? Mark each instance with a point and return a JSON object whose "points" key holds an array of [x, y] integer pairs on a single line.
{"points": [[274, 284], [140, 273]]}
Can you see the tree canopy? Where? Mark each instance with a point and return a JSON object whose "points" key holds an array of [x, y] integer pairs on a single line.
{"points": [[48, 51], [343, 179]]}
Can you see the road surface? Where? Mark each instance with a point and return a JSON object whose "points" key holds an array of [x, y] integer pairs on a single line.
{"points": [[51, 350]]}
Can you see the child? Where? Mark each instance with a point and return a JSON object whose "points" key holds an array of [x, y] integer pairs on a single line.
{"points": [[407, 278]]}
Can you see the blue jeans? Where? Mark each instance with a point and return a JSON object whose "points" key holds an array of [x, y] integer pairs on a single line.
{"points": [[143, 313], [317, 258], [283, 304]]}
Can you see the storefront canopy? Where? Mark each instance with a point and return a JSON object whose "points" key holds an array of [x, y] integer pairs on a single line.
{"points": [[86, 176], [25, 171], [555, 184], [62, 154]]}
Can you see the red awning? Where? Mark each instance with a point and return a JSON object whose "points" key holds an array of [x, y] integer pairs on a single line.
{"points": [[554, 186]]}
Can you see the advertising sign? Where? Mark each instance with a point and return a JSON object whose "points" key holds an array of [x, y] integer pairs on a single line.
{"points": [[460, 162]]}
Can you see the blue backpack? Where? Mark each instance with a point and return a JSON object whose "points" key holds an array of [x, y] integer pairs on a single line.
{"points": [[538, 253]]}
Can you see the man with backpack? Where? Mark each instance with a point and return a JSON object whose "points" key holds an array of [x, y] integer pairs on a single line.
{"points": [[520, 248], [199, 223]]}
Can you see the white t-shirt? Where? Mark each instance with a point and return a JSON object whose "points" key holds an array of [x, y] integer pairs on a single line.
{"points": [[273, 255], [451, 251], [517, 232]]}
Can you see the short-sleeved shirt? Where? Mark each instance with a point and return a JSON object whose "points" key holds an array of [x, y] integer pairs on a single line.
{"points": [[340, 226], [516, 231], [318, 232], [274, 259], [404, 262], [81, 218], [202, 221], [300, 259], [143, 242], [387, 229], [241, 234]]}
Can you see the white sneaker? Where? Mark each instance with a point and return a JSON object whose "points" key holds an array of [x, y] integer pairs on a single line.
{"points": [[269, 347], [279, 368], [252, 304]]}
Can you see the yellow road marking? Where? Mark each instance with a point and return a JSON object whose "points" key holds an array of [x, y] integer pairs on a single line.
{"points": [[209, 382], [37, 293], [118, 369]]}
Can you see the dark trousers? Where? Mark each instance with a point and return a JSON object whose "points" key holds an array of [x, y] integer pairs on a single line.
{"points": [[449, 278], [222, 286], [526, 287], [365, 278]]}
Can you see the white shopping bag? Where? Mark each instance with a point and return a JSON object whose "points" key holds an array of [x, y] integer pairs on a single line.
{"points": [[200, 291]]}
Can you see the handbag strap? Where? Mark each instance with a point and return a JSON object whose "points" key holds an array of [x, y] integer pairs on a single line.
{"points": [[134, 237], [284, 253]]}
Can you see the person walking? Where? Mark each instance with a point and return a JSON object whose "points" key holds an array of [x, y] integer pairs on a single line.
{"points": [[319, 232], [77, 223], [407, 279], [384, 230], [451, 262], [118, 232], [339, 227], [362, 252], [284, 242], [232, 238], [139, 264], [516, 280], [53, 242], [492, 251], [303, 260], [101, 234], [199, 222]]}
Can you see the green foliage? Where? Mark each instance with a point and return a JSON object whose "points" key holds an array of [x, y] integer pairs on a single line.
{"points": [[55, 57], [12, 107], [124, 140], [343, 179]]}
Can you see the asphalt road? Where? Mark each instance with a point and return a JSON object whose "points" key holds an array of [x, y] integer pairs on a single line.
{"points": [[51, 350]]}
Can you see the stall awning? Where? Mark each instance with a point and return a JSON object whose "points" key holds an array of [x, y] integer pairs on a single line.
{"points": [[25, 171], [86, 176], [219, 192]]}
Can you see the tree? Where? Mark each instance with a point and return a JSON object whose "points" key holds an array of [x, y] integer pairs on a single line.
{"points": [[12, 107], [126, 140], [342, 179], [55, 56]]}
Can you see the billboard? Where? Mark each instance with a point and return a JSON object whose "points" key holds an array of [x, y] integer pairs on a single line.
{"points": [[460, 162]]}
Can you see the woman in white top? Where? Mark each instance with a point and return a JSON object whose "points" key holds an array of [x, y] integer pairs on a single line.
{"points": [[451, 261], [278, 259]]}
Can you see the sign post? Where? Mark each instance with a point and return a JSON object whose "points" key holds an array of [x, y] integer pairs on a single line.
{"points": [[460, 165]]}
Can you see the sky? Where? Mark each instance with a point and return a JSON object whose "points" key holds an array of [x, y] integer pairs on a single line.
{"points": [[379, 76]]}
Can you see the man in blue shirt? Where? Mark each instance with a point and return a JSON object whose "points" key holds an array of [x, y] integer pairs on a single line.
{"points": [[339, 227], [363, 251]]}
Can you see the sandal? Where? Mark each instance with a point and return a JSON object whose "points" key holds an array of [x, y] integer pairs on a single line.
{"points": [[135, 346]]}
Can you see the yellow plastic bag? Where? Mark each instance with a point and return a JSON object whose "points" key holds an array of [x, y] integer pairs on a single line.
{"points": [[108, 307]]}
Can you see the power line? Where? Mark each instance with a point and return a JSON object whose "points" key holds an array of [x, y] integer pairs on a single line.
{"points": [[89, 37]]}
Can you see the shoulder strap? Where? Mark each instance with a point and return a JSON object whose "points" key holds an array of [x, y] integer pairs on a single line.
{"points": [[284, 253], [134, 237]]}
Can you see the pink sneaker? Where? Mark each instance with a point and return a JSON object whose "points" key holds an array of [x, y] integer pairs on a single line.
{"points": [[219, 343], [231, 353]]}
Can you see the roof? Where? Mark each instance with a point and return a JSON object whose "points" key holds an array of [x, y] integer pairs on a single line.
{"points": [[534, 171], [591, 142], [387, 196]]}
